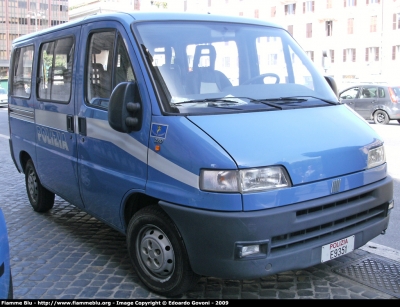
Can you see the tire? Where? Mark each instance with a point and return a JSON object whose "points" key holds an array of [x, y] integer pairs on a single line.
{"points": [[158, 253], [41, 199], [381, 117]]}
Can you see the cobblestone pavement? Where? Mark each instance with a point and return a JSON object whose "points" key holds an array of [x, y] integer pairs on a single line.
{"points": [[67, 254]]}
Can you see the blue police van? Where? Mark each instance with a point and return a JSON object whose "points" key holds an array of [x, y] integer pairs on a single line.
{"points": [[212, 142]]}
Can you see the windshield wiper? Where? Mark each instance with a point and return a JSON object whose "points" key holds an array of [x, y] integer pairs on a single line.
{"points": [[322, 99], [297, 99], [208, 100], [280, 99]]}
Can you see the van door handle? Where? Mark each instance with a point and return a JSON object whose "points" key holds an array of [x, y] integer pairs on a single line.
{"points": [[82, 125], [70, 123]]}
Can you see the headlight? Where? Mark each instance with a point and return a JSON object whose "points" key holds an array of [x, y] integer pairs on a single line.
{"points": [[248, 180], [376, 157]]}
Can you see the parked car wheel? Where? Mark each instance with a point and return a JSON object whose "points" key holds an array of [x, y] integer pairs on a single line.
{"points": [[41, 199], [158, 253], [381, 117]]}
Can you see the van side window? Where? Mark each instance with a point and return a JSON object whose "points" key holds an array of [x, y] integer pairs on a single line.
{"points": [[123, 71], [99, 67], [22, 72], [105, 70], [55, 70]]}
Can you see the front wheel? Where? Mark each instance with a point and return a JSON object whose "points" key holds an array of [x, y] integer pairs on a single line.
{"points": [[158, 253], [41, 199], [381, 117]]}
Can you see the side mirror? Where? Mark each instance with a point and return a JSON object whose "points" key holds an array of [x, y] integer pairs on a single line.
{"points": [[125, 108], [332, 84]]}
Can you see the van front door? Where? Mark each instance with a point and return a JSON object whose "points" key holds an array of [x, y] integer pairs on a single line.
{"points": [[111, 164]]}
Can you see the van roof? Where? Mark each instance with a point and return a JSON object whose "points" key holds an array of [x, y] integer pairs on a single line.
{"points": [[129, 17]]}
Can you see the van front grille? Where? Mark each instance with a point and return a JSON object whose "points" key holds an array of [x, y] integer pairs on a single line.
{"points": [[293, 239], [333, 205]]}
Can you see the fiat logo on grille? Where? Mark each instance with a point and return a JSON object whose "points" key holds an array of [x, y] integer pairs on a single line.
{"points": [[335, 186]]}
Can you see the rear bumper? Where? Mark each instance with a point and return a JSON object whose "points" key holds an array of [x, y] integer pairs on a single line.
{"points": [[292, 236]]}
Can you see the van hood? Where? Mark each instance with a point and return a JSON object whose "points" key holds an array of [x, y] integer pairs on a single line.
{"points": [[311, 143]]}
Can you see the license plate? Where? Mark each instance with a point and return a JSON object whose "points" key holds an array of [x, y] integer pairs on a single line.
{"points": [[336, 249]]}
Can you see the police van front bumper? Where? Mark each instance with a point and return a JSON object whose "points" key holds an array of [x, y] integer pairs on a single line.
{"points": [[289, 237]]}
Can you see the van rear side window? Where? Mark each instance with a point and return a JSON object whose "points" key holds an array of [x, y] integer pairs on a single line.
{"points": [[22, 72], [55, 72]]}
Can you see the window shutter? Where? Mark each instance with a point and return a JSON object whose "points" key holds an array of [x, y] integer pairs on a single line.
{"points": [[344, 55], [376, 53], [394, 53], [344, 3], [366, 54], [304, 7]]}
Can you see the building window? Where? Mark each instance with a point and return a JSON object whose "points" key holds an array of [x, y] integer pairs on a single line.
{"points": [[395, 52], [290, 9], [328, 27], [273, 11], [373, 1], [349, 55], [136, 6], [256, 13], [328, 4], [332, 55], [3, 54], [372, 27], [372, 54], [290, 29], [396, 21], [240, 13], [309, 30], [308, 7], [350, 26], [350, 3], [310, 55]]}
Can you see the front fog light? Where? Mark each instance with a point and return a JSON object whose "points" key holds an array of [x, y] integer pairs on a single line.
{"points": [[391, 205], [249, 250]]}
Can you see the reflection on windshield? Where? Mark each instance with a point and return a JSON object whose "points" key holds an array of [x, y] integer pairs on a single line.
{"points": [[201, 64]]}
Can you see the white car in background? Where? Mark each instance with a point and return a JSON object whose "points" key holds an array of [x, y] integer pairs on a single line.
{"points": [[3, 97]]}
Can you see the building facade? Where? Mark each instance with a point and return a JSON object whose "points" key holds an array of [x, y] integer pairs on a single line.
{"points": [[351, 40], [19, 17]]}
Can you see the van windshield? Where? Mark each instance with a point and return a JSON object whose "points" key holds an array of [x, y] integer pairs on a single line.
{"points": [[211, 67]]}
